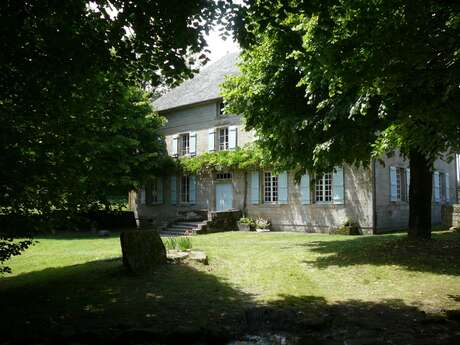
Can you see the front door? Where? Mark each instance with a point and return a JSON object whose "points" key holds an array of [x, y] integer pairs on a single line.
{"points": [[224, 196]]}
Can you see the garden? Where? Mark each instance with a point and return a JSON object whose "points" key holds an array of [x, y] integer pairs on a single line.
{"points": [[335, 289]]}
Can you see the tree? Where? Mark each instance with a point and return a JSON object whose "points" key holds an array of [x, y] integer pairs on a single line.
{"points": [[345, 81], [75, 124]]}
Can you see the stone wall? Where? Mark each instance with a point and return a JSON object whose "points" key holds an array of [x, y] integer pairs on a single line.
{"points": [[451, 215], [199, 119], [395, 215]]}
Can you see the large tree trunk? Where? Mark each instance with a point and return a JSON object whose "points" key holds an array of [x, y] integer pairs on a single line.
{"points": [[420, 196]]}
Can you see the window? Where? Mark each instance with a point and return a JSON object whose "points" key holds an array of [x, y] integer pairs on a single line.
{"points": [[223, 139], [223, 176], [270, 187], [184, 189], [184, 144], [323, 188], [442, 185], [155, 192], [221, 108], [401, 185]]}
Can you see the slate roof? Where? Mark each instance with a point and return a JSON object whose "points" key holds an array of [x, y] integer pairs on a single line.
{"points": [[204, 86]]}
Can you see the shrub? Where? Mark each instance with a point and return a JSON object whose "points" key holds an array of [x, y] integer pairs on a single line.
{"points": [[247, 220], [262, 223], [349, 228], [178, 243]]}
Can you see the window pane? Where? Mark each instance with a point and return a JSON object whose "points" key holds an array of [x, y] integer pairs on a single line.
{"points": [[184, 189], [267, 187], [274, 188], [223, 138]]}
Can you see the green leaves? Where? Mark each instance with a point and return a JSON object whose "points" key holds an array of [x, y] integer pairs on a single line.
{"points": [[248, 157], [323, 83]]}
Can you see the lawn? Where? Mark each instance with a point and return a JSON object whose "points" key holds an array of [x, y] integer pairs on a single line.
{"points": [[73, 283]]}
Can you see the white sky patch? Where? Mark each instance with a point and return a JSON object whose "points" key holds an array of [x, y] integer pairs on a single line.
{"points": [[218, 46]]}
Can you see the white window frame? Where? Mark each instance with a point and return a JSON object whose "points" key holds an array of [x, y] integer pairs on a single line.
{"points": [[223, 142], [184, 196], [270, 188], [220, 108], [184, 144], [323, 189]]}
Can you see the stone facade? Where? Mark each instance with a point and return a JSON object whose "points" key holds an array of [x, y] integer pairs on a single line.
{"points": [[365, 197], [393, 215]]}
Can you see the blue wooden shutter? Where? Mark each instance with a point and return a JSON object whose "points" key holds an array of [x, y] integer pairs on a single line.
{"points": [[175, 146], [232, 137], [254, 187], [305, 189], [393, 185], [173, 190], [437, 185], [142, 195], [160, 190], [192, 143], [337, 186], [192, 189], [283, 188], [407, 183], [447, 187], [211, 139]]}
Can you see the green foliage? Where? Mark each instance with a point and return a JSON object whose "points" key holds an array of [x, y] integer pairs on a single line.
{"points": [[247, 157], [9, 248], [324, 83], [247, 220], [178, 243], [76, 125], [349, 228]]}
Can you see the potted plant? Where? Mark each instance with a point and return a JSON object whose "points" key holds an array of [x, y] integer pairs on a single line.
{"points": [[245, 224], [262, 225]]}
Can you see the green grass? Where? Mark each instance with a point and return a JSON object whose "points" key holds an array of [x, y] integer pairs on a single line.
{"points": [[65, 279]]}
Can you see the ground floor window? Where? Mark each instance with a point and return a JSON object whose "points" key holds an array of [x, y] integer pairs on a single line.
{"points": [[442, 186], [270, 187], [401, 185], [323, 188], [155, 191], [223, 176], [185, 189]]}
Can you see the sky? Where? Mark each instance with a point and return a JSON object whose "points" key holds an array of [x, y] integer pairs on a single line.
{"points": [[218, 46]]}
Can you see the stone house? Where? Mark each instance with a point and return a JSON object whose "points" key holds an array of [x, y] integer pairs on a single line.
{"points": [[376, 197]]}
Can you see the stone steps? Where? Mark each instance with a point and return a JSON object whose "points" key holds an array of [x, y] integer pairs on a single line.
{"points": [[181, 228]]}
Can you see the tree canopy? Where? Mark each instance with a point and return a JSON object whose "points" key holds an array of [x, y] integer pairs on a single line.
{"points": [[75, 125], [328, 82]]}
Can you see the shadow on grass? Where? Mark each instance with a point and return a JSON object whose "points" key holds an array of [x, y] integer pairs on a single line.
{"points": [[99, 303], [440, 255]]}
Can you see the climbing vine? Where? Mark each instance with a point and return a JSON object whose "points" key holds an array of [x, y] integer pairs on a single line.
{"points": [[247, 157]]}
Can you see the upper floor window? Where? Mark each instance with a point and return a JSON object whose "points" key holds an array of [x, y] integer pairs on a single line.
{"points": [[270, 187], [184, 144], [222, 139], [323, 188], [221, 108]]}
